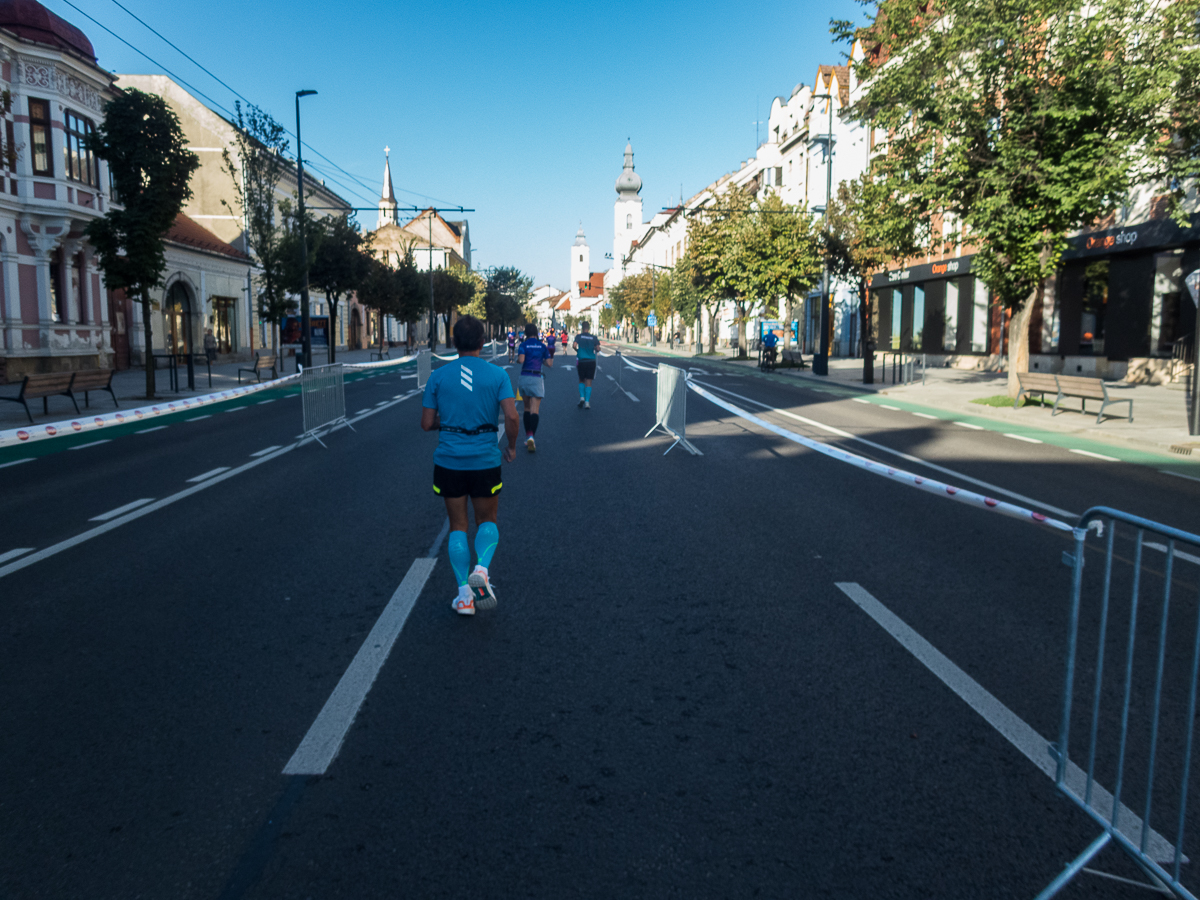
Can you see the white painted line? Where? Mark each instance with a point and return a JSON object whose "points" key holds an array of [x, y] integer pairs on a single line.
{"points": [[987, 485], [1096, 455], [361, 411], [198, 418], [91, 444], [323, 740], [208, 475], [267, 450], [148, 430], [17, 462], [885, 406], [1162, 548], [265, 402], [121, 510], [1012, 728], [860, 399], [235, 409], [1021, 437], [13, 554], [969, 425], [384, 402], [926, 416], [397, 396], [1164, 471]]}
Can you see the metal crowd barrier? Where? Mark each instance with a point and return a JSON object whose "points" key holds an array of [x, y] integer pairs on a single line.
{"points": [[424, 367], [670, 408], [1132, 666], [904, 366], [619, 380], [323, 396]]}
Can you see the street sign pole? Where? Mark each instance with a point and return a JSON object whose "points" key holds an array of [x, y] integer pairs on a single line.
{"points": [[1193, 286]]}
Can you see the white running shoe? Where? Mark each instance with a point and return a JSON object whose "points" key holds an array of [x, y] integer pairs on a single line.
{"points": [[587, 404], [481, 589], [581, 402], [464, 602], [530, 445]]}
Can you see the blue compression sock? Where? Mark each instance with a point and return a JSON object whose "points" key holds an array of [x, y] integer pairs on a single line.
{"points": [[587, 393], [582, 388], [460, 556], [486, 538]]}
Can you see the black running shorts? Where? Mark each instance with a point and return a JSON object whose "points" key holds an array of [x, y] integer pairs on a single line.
{"points": [[586, 368], [464, 482]]}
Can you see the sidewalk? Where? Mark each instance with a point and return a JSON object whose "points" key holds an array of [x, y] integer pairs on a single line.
{"points": [[1159, 411], [130, 387]]}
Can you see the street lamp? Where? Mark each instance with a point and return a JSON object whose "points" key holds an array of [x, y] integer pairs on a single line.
{"points": [[821, 358], [305, 330]]}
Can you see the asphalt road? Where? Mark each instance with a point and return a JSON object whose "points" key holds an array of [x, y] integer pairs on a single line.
{"points": [[673, 698]]}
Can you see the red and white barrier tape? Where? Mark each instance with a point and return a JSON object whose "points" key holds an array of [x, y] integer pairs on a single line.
{"points": [[14, 437], [941, 489]]}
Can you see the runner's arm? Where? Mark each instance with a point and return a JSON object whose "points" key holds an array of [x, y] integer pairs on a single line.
{"points": [[511, 425], [429, 419]]}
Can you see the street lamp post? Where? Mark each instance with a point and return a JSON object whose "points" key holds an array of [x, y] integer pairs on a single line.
{"points": [[305, 323], [821, 358]]}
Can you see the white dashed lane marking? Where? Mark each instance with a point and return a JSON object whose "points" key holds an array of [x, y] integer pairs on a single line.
{"points": [[92, 444], [119, 511], [148, 430], [207, 475], [969, 425], [17, 462], [1096, 455], [13, 554], [1021, 437], [198, 418], [264, 402], [885, 406], [270, 449], [926, 416]]}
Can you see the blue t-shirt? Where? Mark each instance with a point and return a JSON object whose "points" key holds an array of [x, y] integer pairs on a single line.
{"points": [[467, 394], [770, 339], [534, 352], [585, 346]]}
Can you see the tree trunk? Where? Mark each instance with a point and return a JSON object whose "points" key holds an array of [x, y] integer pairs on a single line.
{"points": [[712, 328], [149, 351], [742, 347], [332, 330], [1018, 340]]}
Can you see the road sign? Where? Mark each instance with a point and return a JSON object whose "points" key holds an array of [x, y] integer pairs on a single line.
{"points": [[1193, 286], [652, 320]]}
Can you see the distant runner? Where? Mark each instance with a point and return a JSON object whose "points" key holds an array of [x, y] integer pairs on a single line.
{"points": [[461, 402], [549, 340], [532, 355], [512, 345], [586, 346], [563, 339]]}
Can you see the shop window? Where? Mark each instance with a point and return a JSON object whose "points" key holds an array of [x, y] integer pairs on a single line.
{"points": [[1095, 304], [897, 321], [918, 318], [979, 318], [222, 323], [1165, 311], [39, 136], [950, 331], [178, 315]]}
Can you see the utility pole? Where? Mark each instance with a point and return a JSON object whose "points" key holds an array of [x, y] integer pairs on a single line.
{"points": [[821, 358], [305, 323]]}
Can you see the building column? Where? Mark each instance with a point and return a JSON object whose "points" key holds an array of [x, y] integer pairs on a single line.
{"points": [[43, 243]]}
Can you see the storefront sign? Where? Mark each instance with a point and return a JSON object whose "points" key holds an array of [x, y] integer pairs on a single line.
{"points": [[1142, 236], [949, 268]]}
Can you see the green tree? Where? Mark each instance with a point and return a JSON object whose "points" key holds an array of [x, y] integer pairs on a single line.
{"points": [[337, 265], [1013, 123], [150, 164], [453, 289], [785, 254], [256, 167], [862, 231]]}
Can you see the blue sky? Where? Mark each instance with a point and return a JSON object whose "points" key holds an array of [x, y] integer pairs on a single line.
{"points": [[520, 111]]}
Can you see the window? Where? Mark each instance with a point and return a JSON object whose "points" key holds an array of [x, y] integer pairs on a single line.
{"points": [[78, 162], [950, 332], [918, 328], [628, 222], [39, 136], [581, 257]]}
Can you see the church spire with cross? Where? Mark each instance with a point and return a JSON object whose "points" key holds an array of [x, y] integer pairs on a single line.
{"points": [[387, 200]]}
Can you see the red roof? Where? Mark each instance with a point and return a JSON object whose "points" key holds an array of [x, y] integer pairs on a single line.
{"points": [[593, 287], [30, 20], [189, 234], [843, 76]]}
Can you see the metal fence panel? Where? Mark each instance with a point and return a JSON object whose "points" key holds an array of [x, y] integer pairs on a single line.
{"points": [[1130, 690], [670, 408], [323, 397]]}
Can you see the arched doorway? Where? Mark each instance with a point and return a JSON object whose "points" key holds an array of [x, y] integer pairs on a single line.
{"points": [[177, 314], [355, 329]]}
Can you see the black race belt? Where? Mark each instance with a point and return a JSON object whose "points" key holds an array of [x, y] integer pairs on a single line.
{"points": [[482, 429]]}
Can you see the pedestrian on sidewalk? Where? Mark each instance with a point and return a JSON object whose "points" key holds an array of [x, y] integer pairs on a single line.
{"points": [[532, 355], [210, 346], [462, 401], [586, 345]]}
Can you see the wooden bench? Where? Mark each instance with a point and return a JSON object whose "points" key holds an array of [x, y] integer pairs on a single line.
{"points": [[793, 356], [261, 364], [45, 386], [1088, 389], [94, 380], [1041, 383]]}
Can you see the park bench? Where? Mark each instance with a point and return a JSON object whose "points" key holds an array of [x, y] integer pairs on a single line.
{"points": [[52, 384], [93, 380], [261, 364], [1041, 383], [795, 357], [1088, 389]]}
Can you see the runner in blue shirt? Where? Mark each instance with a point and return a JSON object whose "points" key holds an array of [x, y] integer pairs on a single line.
{"points": [[512, 345], [532, 355], [461, 402], [586, 347]]}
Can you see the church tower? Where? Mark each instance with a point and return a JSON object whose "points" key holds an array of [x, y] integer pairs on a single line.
{"points": [[387, 200], [581, 262], [627, 211]]}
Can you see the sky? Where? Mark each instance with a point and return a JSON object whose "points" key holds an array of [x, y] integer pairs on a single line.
{"points": [[518, 111]]}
